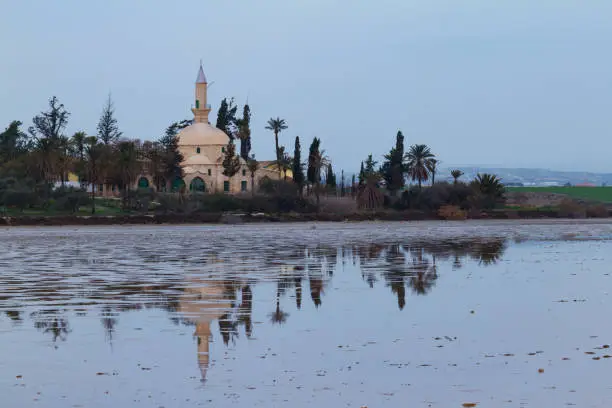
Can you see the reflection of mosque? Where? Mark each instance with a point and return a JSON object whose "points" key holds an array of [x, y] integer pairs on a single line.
{"points": [[221, 291]]}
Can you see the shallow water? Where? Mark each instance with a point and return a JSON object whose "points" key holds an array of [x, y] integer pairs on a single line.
{"points": [[366, 314]]}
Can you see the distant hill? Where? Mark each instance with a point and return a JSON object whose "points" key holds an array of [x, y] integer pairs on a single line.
{"points": [[534, 177]]}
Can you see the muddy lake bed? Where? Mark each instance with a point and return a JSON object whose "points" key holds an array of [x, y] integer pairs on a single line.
{"points": [[376, 314]]}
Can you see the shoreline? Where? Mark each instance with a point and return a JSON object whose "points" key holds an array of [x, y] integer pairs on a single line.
{"points": [[240, 218]]}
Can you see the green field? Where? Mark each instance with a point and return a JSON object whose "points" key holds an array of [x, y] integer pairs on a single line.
{"points": [[601, 194]]}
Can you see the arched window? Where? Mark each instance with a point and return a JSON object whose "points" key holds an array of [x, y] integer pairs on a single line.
{"points": [[198, 150], [197, 185], [209, 172], [177, 185], [143, 182]]}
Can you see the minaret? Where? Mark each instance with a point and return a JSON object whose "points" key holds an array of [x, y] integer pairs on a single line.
{"points": [[201, 109]]}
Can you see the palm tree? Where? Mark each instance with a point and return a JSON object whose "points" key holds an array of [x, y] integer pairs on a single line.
{"points": [[419, 162], [93, 152], [253, 166], [433, 169], [490, 189], [277, 125], [456, 174], [77, 147], [320, 162], [128, 166], [63, 157], [285, 162]]}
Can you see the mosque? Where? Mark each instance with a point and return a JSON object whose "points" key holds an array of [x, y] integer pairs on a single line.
{"points": [[203, 148]]}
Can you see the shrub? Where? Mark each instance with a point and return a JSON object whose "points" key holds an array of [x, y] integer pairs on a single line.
{"points": [[452, 212], [597, 211], [20, 198], [571, 209]]}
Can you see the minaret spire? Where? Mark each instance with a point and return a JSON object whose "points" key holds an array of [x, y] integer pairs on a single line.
{"points": [[201, 109]]}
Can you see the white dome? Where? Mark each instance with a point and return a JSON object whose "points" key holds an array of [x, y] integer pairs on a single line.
{"points": [[202, 134], [198, 159]]}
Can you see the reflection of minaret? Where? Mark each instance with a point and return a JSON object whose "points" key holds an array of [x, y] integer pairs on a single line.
{"points": [[202, 303]]}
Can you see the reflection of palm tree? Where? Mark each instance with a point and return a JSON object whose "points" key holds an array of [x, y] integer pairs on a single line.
{"points": [[298, 292], [316, 285], [278, 316], [424, 276], [57, 326], [488, 252], [108, 322], [245, 310]]}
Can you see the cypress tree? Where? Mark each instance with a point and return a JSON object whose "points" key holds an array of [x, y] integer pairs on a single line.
{"points": [[330, 177], [393, 167], [298, 170], [361, 176], [312, 176], [226, 117], [342, 186], [231, 162], [244, 132]]}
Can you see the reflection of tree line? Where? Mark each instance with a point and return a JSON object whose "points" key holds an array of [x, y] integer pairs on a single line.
{"points": [[413, 265]]}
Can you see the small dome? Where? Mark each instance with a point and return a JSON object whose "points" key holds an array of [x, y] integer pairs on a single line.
{"points": [[196, 159], [202, 134]]}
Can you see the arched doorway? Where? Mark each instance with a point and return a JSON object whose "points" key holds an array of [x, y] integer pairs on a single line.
{"points": [[143, 182], [178, 184], [163, 186], [197, 185]]}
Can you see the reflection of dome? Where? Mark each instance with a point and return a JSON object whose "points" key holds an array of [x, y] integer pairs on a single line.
{"points": [[201, 303], [201, 134]]}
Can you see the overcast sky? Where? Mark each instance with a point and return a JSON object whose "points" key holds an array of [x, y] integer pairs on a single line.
{"points": [[516, 83]]}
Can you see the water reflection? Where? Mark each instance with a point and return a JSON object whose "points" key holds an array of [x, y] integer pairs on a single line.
{"points": [[218, 288]]}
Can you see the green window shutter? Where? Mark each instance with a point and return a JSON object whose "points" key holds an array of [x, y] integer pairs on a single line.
{"points": [[226, 186], [197, 104], [243, 185]]}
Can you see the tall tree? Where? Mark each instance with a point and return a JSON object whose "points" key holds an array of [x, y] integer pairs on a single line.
{"points": [[93, 152], [77, 148], [362, 176], [330, 177], [226, 117], [277, 125], [311, 172], [298, 169], [253, 166], [418, 162], [154, 153], [50, 124], [244, 132], [128, 166], [342, 184], [13, 142], [286, 161], [231, 162], [353, 185], [108, 130], [433, 169], [393, 167], [47, 130], [456, 174], [172, 157]]}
